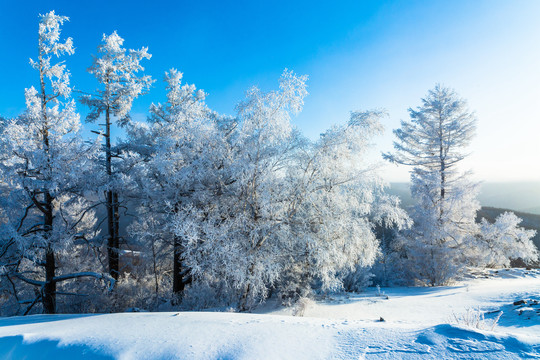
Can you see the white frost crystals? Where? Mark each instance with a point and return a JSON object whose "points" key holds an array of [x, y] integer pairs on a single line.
{"points": [[43, 169], [198, 210], [252, 206], [445, 237], [116, 69], [505, 240]]}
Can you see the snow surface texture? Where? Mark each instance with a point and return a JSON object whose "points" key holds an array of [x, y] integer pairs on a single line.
{"points": [[419, 323]]}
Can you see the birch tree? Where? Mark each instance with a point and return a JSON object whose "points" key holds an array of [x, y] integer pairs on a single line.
{"points": [[339, 197], [286, 214]]}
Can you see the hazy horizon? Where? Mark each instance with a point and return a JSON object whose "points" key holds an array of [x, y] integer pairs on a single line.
{"points": [[522, 196]]}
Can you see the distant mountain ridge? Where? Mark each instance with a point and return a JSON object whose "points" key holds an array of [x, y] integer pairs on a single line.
{"points": [[523, 199], [530, 221], [516, 196]]}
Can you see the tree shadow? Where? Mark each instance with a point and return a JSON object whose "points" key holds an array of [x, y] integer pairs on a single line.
{"points": [[15, 347], [42, 318]]}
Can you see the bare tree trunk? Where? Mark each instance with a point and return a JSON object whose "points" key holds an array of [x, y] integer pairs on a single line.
{"points": [[244, 306], [178, 285], [154, 266], [116, 225], [181, 277], [49, 290], [244, 301], [113, 241], [442, 168]]}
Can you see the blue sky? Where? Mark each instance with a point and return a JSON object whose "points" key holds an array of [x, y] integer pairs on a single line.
{"points": [[358, 55]]}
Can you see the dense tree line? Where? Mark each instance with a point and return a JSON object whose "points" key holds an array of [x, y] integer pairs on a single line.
{"points": [[229, 210]]}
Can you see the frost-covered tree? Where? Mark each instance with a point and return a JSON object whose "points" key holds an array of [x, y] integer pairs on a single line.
{"points": [[264, 147], [42, 169], [339, 199], [180, 150], [445, 237], [433, 143], [116, 69], [284, 213], [504, 241]]}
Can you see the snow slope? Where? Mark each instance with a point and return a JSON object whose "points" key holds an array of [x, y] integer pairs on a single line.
{"points": [[419, 324]]}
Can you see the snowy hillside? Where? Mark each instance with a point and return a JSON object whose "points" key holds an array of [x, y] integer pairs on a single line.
{"points": [[418, 323]]}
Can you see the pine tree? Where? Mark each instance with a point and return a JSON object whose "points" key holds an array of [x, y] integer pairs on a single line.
{"points": [[42, 171], [115, 68], [445, 237], [433, 142]]}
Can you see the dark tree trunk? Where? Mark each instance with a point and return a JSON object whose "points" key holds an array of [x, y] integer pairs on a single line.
{"points": [[244, 302], [49, 290], [113, 241], [180, 276], [443, 189], [442, 168], [178, 285]]}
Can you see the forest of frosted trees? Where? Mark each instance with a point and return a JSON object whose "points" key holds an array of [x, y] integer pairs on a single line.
{"points": [[224, 211]]}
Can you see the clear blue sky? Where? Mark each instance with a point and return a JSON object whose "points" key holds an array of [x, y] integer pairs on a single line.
{"points": [[358, 54]]}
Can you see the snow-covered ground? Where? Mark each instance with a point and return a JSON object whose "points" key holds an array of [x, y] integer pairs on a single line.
{"points": [[418, 323]]}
